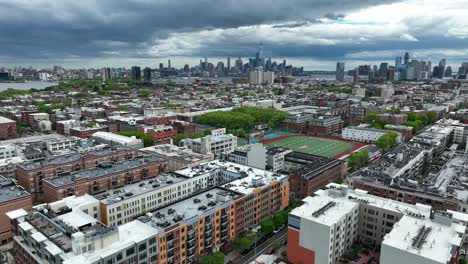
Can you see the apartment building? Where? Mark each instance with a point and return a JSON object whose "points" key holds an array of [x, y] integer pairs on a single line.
{"points": [[160, 133], [12, 197], [117, 140], [7, 151], [31, 174], [63, 233], [85, 132], [325, 125], [122, 205], [7, 128], [178, 157], [62, 143], [275, 158], [202, 223], [103, 177], [366, 135], [194, 227], [405, 131], [253, 155], [309, 173], [326, 225], [217, 145]]}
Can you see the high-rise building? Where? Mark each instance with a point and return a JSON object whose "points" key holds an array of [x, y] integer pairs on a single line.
{"points": [[228, 64], [105, 74], [161, 66], [340, 71], [169, 64], [448, 72], [397, 61], [147, 74], [383, 70], [441, 69], [407, 58], [325, 227], [136, 73]]}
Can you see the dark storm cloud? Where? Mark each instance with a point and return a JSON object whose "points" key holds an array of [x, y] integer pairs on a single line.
{"points": [[45, 30]]}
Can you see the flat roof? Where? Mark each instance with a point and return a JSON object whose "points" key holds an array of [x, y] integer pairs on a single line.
{"points": [[101, 170], [10, 191], [4, 120], [131, 190], [245, 179], [437, 245], [188, 210]]}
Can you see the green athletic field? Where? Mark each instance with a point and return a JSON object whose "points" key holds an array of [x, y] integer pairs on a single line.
{"points": [[328, 148]]}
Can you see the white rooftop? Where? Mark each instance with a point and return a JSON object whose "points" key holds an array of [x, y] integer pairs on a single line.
{"points": [[77, 219], [437, 246]]}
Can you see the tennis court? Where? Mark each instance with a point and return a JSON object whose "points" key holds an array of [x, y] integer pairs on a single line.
{"points": [[328, 148]]}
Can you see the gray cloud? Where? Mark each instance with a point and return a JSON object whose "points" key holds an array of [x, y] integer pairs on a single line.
{"points": [[87, 30]]}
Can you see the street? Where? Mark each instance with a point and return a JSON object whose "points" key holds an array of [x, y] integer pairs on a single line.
{"points": [[265, 247]]}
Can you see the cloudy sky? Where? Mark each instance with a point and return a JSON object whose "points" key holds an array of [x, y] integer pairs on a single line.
{"points": [[311, 33]]}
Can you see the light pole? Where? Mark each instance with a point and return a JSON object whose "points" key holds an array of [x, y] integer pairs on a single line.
{"points": [[255, 230]]}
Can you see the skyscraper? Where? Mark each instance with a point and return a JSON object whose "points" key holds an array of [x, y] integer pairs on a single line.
{"points": [[407, 58], [228, 64], [441, 69], [147, 74], [136, 73], [168, 64], [383, 70], [340, 71], [105, 74], [397, 61]]}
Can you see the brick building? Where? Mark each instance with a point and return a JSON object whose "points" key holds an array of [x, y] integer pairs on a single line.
{"points": [[313, 173], [184, 127], [7, 128], [105, 176], [325, 125], [31, 174], [158, 133], [84, 132], [396, 119], [405, 131], [12, 197]]}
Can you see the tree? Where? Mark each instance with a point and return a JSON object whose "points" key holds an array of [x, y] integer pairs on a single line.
{"points": [[267, 226], [411, 116], [432, 117], [387, 141], [358, 159], [370, 117], [215, 258], [243, 243]]}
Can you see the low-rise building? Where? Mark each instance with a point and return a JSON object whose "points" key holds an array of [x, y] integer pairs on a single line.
{"points": [[12, 197], [325, 125], [275, 158], [161, 134], [364, 134], [118, 140], [84, 132], [309, 173], [31, 174], [7, 128], [178, 157], [396, 119], [105, 176], [253, 155], [211, 144], [405, 131], [66, 233]]}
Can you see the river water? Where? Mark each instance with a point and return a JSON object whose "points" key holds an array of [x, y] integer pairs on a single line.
{"points": [[26, 85]]}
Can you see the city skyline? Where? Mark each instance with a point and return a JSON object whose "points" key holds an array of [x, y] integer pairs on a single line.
{"points": [[315, 35]]}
